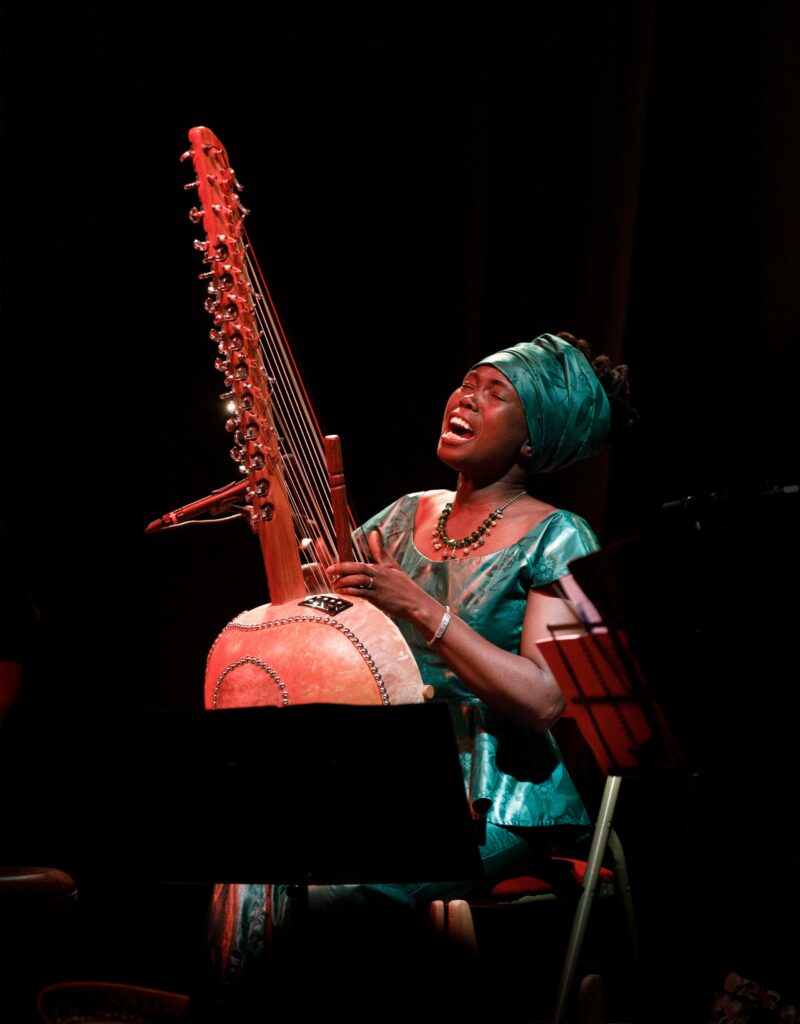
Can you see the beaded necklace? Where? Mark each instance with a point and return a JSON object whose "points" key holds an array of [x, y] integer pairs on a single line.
{"points": [[475, 539]]}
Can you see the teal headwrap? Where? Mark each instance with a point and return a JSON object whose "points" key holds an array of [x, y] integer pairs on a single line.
{"points": [[565, 406]]}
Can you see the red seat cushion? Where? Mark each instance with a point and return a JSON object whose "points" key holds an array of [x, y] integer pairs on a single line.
{"points": [[534, 885], [579, 871], [522, 885]]}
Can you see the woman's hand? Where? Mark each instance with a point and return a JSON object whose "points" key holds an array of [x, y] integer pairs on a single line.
{"points": [[382, 581]]}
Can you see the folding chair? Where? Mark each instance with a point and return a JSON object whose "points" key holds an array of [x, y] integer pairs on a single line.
{"points": [[574, 883]]}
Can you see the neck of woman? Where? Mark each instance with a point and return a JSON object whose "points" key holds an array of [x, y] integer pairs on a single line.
{"points": [[472, 493]]}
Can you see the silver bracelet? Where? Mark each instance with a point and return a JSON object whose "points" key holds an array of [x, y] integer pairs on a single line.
{"points": [[442, 627]]}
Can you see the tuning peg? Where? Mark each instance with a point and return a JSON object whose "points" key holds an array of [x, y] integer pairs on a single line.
{"points": [[264, 515], [195, 215], [190, 185], [240, 373], [261, 490]]}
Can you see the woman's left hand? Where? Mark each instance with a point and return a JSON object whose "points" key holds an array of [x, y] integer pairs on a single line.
{"points": [[382, 581]]}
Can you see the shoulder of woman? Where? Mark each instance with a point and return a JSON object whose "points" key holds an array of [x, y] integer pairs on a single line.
{"points": [[396, 516], [572, 530], [433, 499]]}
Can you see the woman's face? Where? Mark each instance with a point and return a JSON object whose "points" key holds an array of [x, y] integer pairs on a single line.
{"points": [[484, 425]]}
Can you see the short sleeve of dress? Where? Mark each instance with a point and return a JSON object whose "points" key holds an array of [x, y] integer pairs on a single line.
{"points": [[565, 537]]}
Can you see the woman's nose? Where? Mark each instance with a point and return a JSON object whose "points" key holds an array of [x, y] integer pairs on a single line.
{"points": [[468, 400]]}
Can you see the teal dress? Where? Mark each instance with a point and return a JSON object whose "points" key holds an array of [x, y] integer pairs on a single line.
{"points": [[514, 777]]}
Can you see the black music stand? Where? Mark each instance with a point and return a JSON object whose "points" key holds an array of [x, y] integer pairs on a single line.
{"points": [[615, 711], [308, 794]]}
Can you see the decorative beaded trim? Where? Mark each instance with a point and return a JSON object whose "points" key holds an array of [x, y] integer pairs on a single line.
{"points": [[261, 664], [323, 620]]}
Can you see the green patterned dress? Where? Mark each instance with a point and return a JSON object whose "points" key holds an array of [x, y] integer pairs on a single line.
{"points": [[514, 777]]}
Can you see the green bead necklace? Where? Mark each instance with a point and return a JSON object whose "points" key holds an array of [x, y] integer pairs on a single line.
{"points": [[449, 547]]}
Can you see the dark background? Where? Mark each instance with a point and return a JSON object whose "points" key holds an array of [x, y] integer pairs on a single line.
{"points": [[426, 185]]}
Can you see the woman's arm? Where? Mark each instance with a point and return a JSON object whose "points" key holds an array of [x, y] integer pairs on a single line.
{"points": [[518, 685]]}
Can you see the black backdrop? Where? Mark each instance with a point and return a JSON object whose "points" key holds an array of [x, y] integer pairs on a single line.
{"points": [[423, 189], [425, 185]]}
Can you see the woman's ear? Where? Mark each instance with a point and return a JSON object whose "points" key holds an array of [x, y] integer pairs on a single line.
{"points": [[526, 451]]}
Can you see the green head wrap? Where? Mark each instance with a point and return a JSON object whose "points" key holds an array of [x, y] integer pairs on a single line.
{"points": [[566, 409]]}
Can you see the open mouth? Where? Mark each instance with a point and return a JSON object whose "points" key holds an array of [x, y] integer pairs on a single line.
{"points": [[458, 430]]}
